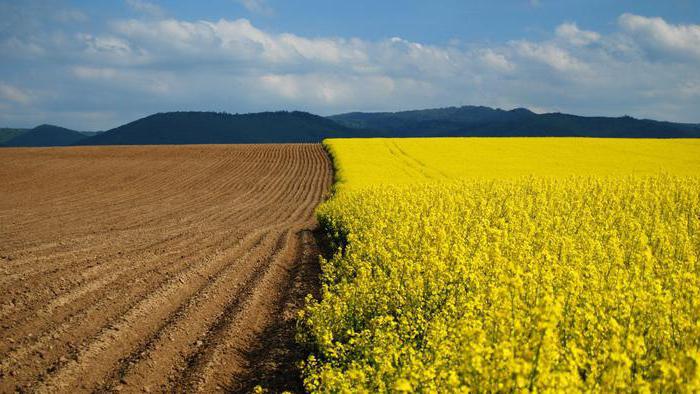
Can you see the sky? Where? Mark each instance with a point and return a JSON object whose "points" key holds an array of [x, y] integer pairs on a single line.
{"points": [[93, 65]]}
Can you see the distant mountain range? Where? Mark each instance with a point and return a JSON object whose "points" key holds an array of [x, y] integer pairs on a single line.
{"points": [[489, 122], [278, 127], [7, 134], [44, 135], [220, 128]]}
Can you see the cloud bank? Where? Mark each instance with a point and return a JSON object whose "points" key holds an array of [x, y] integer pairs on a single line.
{"points": [[87, 79]]}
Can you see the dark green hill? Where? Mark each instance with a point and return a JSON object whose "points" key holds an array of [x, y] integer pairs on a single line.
{"points": [[222, 128], [7, 134], [46, 135], [279, 127], [485, 121]]}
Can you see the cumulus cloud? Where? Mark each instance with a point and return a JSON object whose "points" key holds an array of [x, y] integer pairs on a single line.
{"points": [[496, 61], [236, 40], [110, 49], [133, 67], [571, 33], [337, 91], [660, 37], [551, 55]]}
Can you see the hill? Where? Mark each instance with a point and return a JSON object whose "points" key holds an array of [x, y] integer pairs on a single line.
{"points": [[90, 133], [7, 134], [222, 128], [45, 135], [189, 127], [487, 122]]}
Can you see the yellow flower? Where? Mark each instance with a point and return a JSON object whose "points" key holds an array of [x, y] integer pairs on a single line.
{"points": [[451, 276]]}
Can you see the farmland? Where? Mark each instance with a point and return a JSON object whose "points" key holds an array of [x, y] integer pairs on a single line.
{"points": [[155, 268], [420, 160], [459, 264], [508, 265]]}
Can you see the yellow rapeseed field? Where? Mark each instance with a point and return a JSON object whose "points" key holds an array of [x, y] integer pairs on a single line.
{"points": [[509, 265], [365, 162]]}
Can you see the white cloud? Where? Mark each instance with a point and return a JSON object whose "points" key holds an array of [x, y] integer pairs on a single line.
{"points": [[550, 54], [572, 34], [14, 94], [106, 44], [324, 49], [496, 61], [237, 40], [657, 35], [329, 89], [110, 49], [257, 6]]}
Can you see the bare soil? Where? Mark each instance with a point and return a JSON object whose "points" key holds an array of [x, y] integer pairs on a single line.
{"points": [[151, 269]]}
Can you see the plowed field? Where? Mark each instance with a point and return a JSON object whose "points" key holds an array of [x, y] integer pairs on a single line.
{"points": [[156, 268]]}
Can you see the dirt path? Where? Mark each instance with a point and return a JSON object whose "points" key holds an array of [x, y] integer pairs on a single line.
{"points": [[147, 269]]}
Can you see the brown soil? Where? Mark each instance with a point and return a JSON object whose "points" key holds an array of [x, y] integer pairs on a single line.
{"points": [[149, 269]]}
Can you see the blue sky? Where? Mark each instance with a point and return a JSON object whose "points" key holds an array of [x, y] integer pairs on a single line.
{"points": [[94, 65]]}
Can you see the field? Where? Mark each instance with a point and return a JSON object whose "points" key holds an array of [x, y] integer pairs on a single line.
{"points": [[155, 268], [420, 160], [509, 265], [460, 264]]}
